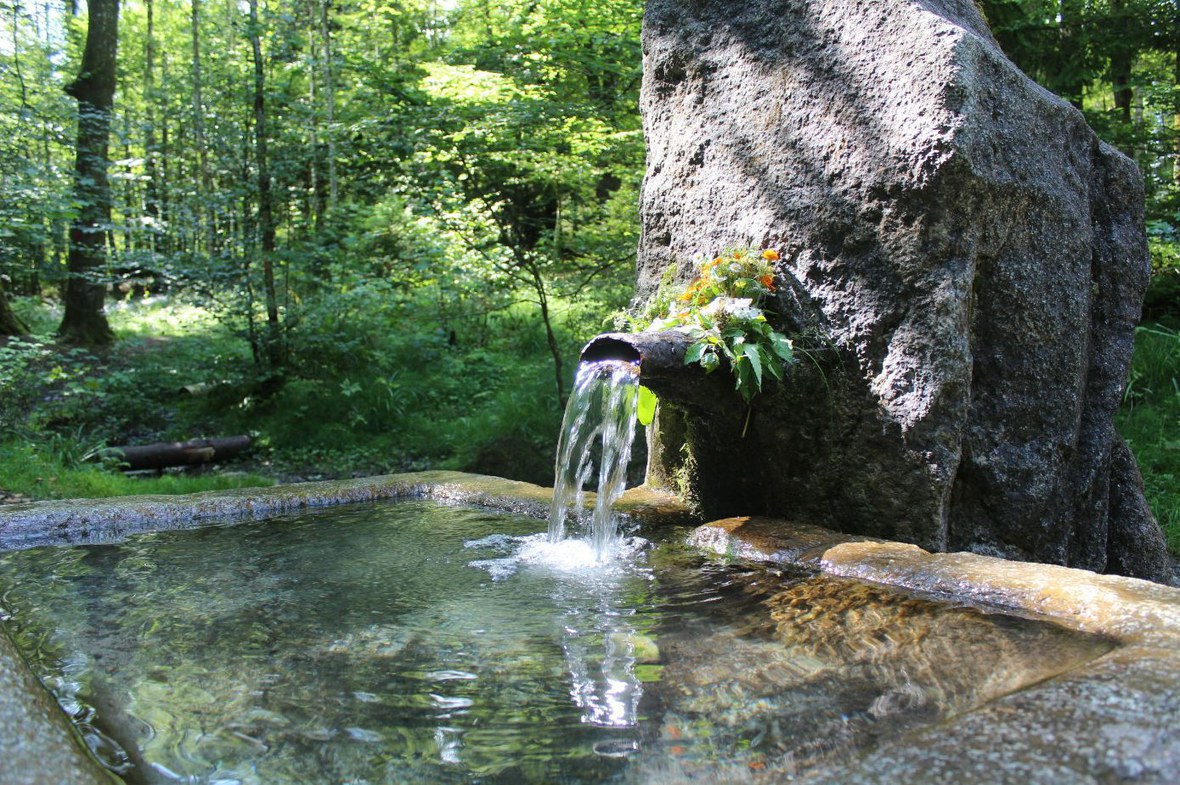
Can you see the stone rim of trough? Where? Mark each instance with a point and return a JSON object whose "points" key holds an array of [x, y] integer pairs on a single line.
{"points": [[1142, 618]]}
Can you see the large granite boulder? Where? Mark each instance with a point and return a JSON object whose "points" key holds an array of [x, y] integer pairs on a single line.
{"points": [[962, 259]]}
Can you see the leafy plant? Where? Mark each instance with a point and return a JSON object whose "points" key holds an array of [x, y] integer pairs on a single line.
{"points": [[720, 313]]}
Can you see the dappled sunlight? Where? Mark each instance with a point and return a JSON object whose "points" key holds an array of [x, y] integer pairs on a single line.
{"points": [[161, 316], [466, 84]]}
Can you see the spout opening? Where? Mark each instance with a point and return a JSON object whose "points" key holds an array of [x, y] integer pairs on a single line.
{"points": [[610, 347]]}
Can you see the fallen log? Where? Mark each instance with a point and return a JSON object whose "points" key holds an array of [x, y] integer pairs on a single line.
{"points": [[165, 454]]}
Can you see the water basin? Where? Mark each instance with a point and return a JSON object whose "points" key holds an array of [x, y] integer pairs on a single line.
{"points": [[420, 642]]}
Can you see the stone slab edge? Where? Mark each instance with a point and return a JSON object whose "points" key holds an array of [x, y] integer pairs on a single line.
{"points": [[38, 743], [1114, 719], [1126, 610], [80, 521]]}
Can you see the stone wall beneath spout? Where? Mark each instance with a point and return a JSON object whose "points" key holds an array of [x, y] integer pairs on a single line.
{"points": [[962, 260]]}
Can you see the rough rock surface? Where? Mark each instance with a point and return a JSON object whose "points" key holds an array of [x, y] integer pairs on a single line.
{"points": [[37, 743], [962, 257]]}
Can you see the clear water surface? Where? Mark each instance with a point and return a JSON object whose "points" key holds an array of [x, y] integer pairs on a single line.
{"points": [[417, 643]]}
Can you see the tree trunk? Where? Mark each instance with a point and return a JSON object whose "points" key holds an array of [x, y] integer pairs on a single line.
{"points": [[1069, 82], [550, 336], [189, 453], [1121, 60], [315, 206], [10, 323], [153, 187], [266, 225], [84, 321], [330, 89], [204, 184], [29, 282]]}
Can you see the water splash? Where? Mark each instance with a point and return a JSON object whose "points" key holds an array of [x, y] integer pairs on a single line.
{"points": [[596, 433]]}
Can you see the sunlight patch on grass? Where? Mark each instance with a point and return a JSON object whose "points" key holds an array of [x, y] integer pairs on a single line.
{"points": [[160, 317], [28, 471]]}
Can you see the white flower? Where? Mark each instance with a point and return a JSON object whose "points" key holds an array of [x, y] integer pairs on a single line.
{"points": [[733, 307]]}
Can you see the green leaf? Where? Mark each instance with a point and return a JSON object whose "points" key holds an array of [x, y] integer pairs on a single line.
{"points": [[744, 381], [751, 352], [771, 362], [694, 352], [645, 410], [782, 346], [710, 362]]}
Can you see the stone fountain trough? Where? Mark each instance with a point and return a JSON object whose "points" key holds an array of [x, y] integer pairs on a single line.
{"points": [[1111, 719]]}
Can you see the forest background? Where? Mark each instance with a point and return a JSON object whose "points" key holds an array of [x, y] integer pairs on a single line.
{"points": [[373, 234]]}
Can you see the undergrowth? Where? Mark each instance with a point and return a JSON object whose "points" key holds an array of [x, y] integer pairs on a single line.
{"points": [[1150, 422], [57, 469], [381, 391]]}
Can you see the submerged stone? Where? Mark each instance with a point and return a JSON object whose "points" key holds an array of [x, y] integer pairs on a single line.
{"points": [[963, 264]]}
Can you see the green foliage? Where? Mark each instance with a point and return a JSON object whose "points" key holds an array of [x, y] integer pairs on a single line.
{"points": [[719, 313], [1115, 60], [58, 469], [387, 398], [1155, 369], [645, 410], [1150, 422]]}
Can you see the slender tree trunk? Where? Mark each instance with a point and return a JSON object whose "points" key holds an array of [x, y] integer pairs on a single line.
{"points": [[16, 67], [315, 207], [1121, 60], [57, 225], [330, 89], [28, 282], [550, 336], [132, 204], [167, 241], [204, 184], [84, 321], [1176, 101], [266, 225], [153, 187], [1070, 85]]}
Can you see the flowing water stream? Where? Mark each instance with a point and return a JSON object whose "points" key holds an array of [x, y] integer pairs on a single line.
{"points": [[596, 436]]}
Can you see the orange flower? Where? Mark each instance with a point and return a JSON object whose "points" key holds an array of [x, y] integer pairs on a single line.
{"points": [[767, 281], [770, 255]]}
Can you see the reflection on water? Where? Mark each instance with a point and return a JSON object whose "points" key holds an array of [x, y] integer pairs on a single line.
{"points": [[417, 643], [597, 638]]}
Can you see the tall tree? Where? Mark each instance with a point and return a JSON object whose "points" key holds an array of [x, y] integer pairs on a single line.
{"points": [[204, 183], [266, 223], [154, 186], [84, 321], [330, 90], [1122, 59]]}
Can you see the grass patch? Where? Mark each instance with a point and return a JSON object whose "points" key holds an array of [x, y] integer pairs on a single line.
{"points": [[1150, 422], [383, 388], [57, 471]]}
